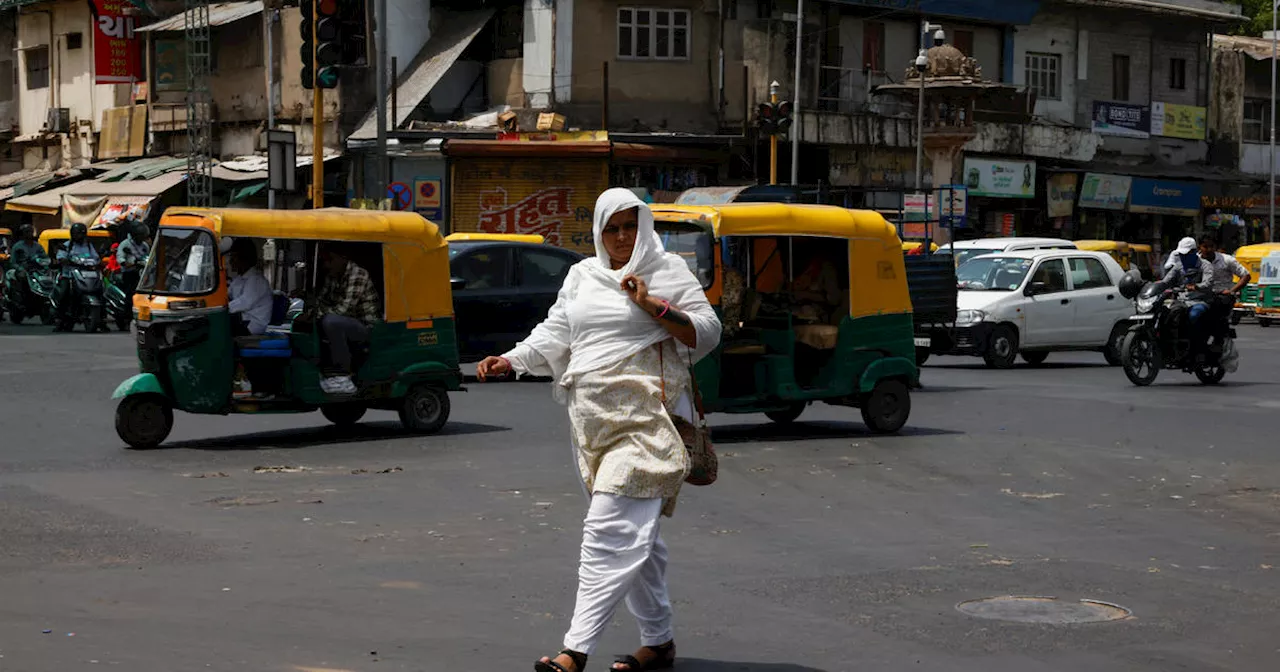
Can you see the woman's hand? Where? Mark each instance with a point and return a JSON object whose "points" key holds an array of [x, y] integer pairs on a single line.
{"points": [[492, 366], [638, 291]]}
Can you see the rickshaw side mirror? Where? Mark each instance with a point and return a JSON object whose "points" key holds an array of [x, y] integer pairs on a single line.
{"points": [[1037, 288], [457, 283]]}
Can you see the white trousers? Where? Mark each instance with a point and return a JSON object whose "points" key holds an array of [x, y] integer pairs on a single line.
{"points": [[622, 558]]}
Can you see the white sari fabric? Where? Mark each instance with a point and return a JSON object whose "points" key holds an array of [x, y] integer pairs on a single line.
{"points": [[595, 335]]}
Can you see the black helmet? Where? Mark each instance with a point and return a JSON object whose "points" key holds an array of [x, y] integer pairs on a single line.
{"points": [[1131, 284], [25, 231], [79, 230]]}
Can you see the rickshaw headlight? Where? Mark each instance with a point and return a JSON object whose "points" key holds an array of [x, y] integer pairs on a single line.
{"points": [[968, 317]]}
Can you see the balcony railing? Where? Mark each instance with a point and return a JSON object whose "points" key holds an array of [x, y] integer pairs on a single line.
{"points": [[848, 91]]}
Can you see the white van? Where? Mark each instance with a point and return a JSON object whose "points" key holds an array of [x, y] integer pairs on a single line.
{"points": [[967, 249], [1034, 302]]}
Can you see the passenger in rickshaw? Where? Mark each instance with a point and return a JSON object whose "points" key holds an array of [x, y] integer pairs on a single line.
{"points": [[346, 306], [249, 295], [815, 291]]}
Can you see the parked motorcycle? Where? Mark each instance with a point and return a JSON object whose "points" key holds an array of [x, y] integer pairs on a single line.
{"points": [[28, 294], [85, 300], [1161, 337]]}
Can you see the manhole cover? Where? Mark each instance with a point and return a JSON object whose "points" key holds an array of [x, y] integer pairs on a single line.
{"points": [[1023, 609]]}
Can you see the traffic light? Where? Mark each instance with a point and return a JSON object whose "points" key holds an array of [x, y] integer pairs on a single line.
{"points": [[766, 118], [353, 19], [321, 30], [782, 114]]}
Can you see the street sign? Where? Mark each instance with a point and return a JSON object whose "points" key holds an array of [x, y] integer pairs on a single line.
{"points": [[282, 163], [426, 193], [400, 194]]}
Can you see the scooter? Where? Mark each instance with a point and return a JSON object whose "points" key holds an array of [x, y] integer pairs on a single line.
{"points": [[29, 294], [119, 302], [84, 302]]}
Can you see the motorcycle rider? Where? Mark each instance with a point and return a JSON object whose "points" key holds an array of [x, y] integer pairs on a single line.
{"points": [[132, 255], [1194, 276], [78, 248], [26, 249]]}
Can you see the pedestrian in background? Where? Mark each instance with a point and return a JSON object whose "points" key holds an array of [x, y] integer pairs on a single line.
{"points": [[618, 342]]}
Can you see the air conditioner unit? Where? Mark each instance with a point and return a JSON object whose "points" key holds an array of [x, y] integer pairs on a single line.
{"points": [[58, 120]]}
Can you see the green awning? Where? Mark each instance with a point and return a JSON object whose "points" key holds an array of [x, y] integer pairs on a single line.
{"points": [[241, 193]]}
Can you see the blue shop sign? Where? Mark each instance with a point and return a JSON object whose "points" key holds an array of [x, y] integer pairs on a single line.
{"points": [[1165, 197]]}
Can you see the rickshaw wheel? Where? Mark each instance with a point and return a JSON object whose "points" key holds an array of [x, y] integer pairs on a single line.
{"points": [[1235, 318], [144, 420], [886, 409], [786, 416], [1264, 323], [425, 409], [343, 415]]}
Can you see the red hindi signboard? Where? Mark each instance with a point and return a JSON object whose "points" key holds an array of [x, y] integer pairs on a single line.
{"points": [[115, 50]]}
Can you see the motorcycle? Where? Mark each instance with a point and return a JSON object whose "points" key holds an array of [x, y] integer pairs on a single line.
{"points": [[29, 294], [85, 302], [1161, 337], [119, 300]]}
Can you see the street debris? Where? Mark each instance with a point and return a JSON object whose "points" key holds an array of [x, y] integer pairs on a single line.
{"points": [[388, 470], [241, 501], [215, 474], [1032, 495], [283, 469]]}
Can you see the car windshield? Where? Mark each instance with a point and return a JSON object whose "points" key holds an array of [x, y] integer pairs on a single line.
{"points": [[965, 254], [694, 244], [184, 262], [996, 274], [457, 248]]}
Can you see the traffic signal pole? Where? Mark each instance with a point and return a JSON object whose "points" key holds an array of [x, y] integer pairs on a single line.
{"points": [[773, 139], [317, 114]]}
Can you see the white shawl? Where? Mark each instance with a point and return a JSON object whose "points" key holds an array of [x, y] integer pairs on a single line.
{"points": [[594, 325]]}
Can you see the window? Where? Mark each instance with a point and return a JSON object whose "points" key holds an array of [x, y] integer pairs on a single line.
{"points": [[695, 245], [486, 268], [1120, 77], [75, 41], [544, 270], [1257, 120], [993, 274], [1088, 273], [653, 34], [1044, 75], [36, 61], [7, 75], [963, 40], [873, 46], [184, 261], [1053, 274], [1178, 74]]}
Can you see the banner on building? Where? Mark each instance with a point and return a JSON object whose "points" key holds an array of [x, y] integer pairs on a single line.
{"points": [[1123, 119], [116, 55], [556, 136], [952, 206], [1062, 194], [1164, 197], [1104, 192], [1000, 178], [1178, 121]]}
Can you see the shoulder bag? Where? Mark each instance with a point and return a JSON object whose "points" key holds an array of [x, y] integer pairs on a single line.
{"points": [[704, 466]]}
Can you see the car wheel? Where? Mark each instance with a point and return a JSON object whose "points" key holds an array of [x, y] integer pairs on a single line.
{"points": [[144, 421], [786, 416], [343, 415], [886, 409], [1002, 348], [425, 409], [1034, 358]]}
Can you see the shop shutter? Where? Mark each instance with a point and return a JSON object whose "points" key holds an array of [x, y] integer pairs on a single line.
{"points": [[550, 197]]}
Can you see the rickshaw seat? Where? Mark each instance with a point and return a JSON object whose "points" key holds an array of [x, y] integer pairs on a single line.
{"points": [[745, 349], [818, 336], [264, 346]]}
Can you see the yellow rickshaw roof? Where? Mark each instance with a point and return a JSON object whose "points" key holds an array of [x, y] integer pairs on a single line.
{"points": [[908, 245], [505, 237], [59, 234], [784, 219], [344, 224], [1256, 251], [1139, 247], [6, 232], [1102, 245]]}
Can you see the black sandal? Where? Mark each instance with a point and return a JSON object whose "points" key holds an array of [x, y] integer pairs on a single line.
{"points": [[664, 660], [579, 662]]}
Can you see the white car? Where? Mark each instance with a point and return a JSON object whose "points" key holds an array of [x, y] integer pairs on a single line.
{"points": [[968, 249], [1036, 302]]}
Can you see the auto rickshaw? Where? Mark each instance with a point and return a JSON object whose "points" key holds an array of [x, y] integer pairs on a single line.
{"points": [[1120, 251], [777, 356], [1142, 257], [6, 241], [1268, 277], [53, 240], [190, 360], [501, 237], [1250, 256], [909, 246]]}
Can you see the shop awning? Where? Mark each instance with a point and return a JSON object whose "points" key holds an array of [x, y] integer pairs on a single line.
{"points": [[645, 153], [220, 14], [504, 149], [50, 202], [441, 51]]}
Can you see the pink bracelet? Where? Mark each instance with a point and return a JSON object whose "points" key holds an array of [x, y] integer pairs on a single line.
{"points": [[666, 306], [506, 361]]}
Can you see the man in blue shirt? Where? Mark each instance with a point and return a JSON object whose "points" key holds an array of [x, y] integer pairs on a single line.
{"points": [[77, 249]]}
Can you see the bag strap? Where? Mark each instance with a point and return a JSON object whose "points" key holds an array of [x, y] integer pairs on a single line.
{"points": [[697, 395]]}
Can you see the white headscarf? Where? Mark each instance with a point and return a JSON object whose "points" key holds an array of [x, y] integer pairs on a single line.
{"points": [[594, 324]]}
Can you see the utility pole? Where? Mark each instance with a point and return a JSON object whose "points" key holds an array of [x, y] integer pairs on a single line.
{"points": [[268, 22], [922, 66], [380, 64], [795, 98], [1271, 227], [773, 139], [317, 115]]}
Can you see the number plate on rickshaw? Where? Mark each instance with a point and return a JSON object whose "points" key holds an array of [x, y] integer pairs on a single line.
{"points": [[923, 342]]}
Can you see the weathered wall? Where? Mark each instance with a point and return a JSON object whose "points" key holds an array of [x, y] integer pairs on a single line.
{"points": [[1051, 33], [1226, 108]]}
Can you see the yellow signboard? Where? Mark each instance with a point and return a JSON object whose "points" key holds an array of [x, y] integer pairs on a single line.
{"points": [[556, 136], [1178, 121]]}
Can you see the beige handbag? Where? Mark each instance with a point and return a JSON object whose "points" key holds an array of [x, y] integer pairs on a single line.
{"points": [[704, 466]]}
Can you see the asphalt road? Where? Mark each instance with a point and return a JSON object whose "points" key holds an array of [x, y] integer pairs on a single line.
{"points": [[821, 548]]}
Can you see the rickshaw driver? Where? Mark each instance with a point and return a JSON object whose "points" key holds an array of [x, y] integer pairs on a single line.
{"points": [[249, 293], [344, 310]]}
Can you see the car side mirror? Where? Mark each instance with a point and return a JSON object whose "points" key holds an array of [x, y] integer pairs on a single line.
{"points": [[457, 283], [1037, 288]]}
